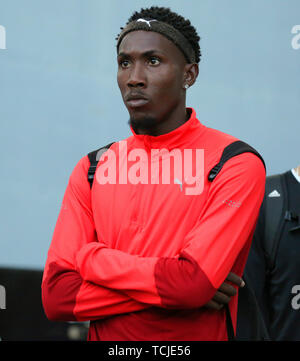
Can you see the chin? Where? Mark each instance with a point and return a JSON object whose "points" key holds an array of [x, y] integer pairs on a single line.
{"points": [[142, 121]]}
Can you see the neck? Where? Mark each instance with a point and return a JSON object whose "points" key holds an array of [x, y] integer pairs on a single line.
{"points": [[297, 170]]}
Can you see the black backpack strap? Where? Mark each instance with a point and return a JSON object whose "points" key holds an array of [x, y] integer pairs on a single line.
{"points": [[94, 157], [251, 325], [274, 208], [233, 149], [229, 324]]}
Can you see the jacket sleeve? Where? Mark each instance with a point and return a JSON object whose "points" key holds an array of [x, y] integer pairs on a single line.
{"points": [[190, 279], [65, 295]]}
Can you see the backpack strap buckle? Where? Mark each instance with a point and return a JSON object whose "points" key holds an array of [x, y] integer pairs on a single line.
{"points": [[214, 171], [91, 172]]}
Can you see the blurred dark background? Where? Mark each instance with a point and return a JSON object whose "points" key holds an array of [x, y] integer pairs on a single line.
{"points": [[22, 317]]}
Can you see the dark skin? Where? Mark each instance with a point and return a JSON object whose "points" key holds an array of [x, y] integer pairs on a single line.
{"points": [[152, 66], [152, 74], [225, 292]]}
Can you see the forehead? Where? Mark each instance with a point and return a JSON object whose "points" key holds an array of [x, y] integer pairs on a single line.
{"points": [[140, 41]]}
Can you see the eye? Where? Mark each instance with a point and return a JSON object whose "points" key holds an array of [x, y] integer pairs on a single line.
{"points": [[124, 64], [154, 61]]}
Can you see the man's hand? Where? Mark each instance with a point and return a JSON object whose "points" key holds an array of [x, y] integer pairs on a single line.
{"points": [[225, 292]]}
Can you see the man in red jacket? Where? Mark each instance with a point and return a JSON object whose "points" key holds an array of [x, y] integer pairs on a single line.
{"points": [[145, 253]]}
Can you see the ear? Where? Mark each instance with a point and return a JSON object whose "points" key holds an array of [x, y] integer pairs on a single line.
{"points": [[191, 72]]}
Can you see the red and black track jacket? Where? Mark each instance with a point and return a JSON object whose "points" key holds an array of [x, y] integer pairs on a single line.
{"points": [[141, 260]]}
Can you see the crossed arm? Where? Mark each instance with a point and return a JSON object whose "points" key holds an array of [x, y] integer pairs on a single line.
{"points": [[86, 280], [65, 295]]}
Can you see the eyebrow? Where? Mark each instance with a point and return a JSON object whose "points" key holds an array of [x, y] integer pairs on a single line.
{"points": [[145, 54]]}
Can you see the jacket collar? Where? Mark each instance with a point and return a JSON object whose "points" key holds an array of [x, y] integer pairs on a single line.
{"points": [[177, 138]]}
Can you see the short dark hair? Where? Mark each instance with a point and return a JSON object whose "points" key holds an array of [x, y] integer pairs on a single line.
{"points": [[183, 25]]}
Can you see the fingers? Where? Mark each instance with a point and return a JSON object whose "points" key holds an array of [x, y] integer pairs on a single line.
{"points": [[227, 289], [214, 305], [235, 279], [221, 298], [225, 292]]}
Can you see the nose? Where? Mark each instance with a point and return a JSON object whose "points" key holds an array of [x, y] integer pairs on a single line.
{"points": [[136, 76]]}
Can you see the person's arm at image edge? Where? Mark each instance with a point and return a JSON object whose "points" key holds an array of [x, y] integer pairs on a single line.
{"points": [[192, 279]]}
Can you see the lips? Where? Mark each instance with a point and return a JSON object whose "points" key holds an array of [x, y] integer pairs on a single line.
{"points": [[136, 100], [135, 103]]}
